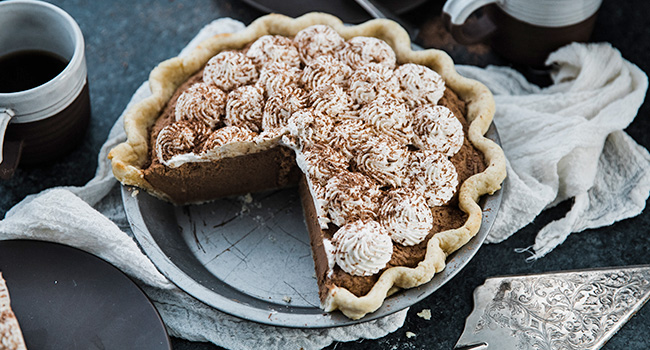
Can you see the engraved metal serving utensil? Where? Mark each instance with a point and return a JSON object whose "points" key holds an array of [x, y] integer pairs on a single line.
{"points": [[558, 310]]}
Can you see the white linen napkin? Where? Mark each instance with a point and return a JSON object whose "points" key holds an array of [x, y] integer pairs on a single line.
{"points": [[561, 142], [567, 141]]}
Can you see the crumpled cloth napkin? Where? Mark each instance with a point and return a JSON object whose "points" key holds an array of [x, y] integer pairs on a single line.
{"points": [[567, 141], [561, 142]]}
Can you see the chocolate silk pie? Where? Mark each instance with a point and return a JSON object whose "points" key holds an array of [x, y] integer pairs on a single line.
{"points": [[385, 144], [11, 337]]}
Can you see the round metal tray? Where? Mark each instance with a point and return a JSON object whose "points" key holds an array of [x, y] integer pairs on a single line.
{"points": [[250, 256]]}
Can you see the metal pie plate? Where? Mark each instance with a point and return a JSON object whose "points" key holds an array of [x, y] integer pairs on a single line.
{"points": [[250, 256]]}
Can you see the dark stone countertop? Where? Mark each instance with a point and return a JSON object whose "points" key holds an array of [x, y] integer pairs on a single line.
{"points": [[126, 39]]}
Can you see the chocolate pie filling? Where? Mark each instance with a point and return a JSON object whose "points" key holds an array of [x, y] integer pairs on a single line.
{"points": [[275, 168]]}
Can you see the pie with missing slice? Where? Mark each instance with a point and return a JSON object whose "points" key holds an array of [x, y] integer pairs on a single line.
{"points": [[385, 144]]}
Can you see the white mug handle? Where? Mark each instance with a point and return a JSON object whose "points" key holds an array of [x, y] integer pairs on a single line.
{"points": [[455, 14], [460, 10], [5, 116]]}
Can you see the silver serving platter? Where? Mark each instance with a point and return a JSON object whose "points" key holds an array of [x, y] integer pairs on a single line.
{"points": [[249, 256]]}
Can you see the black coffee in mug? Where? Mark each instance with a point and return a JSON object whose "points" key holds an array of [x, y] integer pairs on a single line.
{"points": [[27, 69], [44, 99]]}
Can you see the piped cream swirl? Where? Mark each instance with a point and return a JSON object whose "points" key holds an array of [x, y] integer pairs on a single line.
{"points": [[306, 127], [348, 135], [384, 160], [201, 102], [433, 174], [420, 84], [277, 75], [279, 107], [330, 100], [321, 162], [389, 117], [406, 216], [245, 107], [436, 128], [362, 50], [316, 41], [274, 48], [226, 135], [229, 70], [351, 196], [371, 81], [362, 248], [178, 138], [325, 71]]}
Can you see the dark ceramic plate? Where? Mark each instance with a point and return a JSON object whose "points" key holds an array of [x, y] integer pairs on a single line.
{"points": [[65, 298], [250, 256], [347, 10]]}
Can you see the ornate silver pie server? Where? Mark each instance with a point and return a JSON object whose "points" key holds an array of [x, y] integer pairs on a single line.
{"points": [[559, 310]]}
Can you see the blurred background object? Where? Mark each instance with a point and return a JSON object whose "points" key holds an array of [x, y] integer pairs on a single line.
{"points": [[348, 11], [524, 32]]}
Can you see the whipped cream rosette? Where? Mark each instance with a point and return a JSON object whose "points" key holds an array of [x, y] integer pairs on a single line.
{"points": [[331, 101], [316, 41], [229, 70], [362, 248], [279, 107], [226, 135], [361, 51], [420, 85], [321, 162], [306, 127], [276, 76], [389, 117], [245, 107], [351, 196], [325, 71], [437, 129], [383, 160], [405, 215], [372, 81], [434, 175], [348, 135], [274, 48], [201, 102], [178, 138]]}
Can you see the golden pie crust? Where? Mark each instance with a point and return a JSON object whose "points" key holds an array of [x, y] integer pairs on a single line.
{"points": [[129, 158]]}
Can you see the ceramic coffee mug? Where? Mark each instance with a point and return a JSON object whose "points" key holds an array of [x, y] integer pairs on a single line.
{"points": [[522, 31], [41, 120]]}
